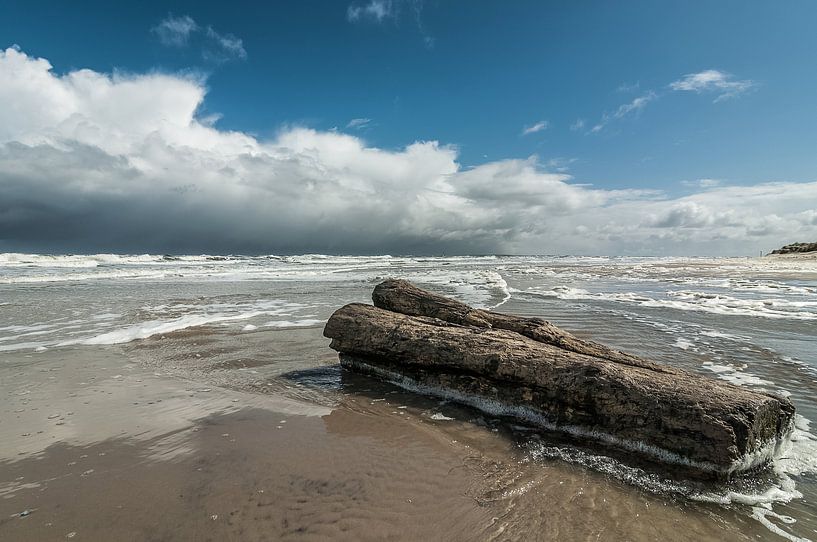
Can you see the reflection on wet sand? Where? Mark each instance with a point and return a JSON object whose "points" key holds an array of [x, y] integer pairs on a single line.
{"points": [[252, 475], [152, 458], [147, 457]]}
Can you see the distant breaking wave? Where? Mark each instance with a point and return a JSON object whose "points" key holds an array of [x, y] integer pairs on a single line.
{"points": [[688, 300]]}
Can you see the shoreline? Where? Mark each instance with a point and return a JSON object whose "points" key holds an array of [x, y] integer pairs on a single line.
{"points": [[792, 256]]}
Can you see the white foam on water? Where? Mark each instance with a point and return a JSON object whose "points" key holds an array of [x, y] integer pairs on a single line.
{"points": [[474, 280], [607, 465], [735, 375], [106, 316], [683, 344], [24, 335], [249, 327], [18, 328], [798, 456], [476, 287], [106, 327], [762, 514], [179, 316], [306, 322], [77, 277], [11, 259], [802, 364], [39, 268], [695, 301], [39, 331], [16, 259], [325, 259], [801, 455], [262, 306], [672, 276], [143, 330], [22, 346], [440, 417], [506, 291], [771, 287], [715, 334], [724, 304]]}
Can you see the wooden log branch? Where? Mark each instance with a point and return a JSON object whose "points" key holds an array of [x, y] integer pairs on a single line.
{"points": [[532, 370]]}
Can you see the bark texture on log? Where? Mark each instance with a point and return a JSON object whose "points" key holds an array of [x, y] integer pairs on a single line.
{"points": [[528, 368], [402, 296]]}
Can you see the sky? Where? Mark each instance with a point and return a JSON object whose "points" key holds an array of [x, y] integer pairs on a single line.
{"points": [[408, 127]]}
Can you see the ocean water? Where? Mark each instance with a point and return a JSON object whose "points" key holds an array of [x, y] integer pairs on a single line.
{"points": [[254, 323]]}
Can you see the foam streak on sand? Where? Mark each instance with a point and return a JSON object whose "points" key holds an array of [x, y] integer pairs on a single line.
{"points": [[155, 327], [296, 323], [120, 328], [143, 330]]}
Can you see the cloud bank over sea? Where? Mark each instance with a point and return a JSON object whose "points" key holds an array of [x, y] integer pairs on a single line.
{"points": [[94, 161]]}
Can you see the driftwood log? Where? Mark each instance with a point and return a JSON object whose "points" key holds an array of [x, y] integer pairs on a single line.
{"points": [[529, 369]]}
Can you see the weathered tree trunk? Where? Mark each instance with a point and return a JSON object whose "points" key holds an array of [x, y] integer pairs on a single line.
{"points": [[530, 369], [403, 297]]}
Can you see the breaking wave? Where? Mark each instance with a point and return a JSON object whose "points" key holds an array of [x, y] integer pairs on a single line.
{"points": [[688, 300]]}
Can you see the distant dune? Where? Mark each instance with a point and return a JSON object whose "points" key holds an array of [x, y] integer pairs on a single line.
{"points": [[807, 250]]}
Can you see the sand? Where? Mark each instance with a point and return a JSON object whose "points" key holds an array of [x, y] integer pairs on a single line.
{"points": [[806, 256], [96, 447], [110, 452]]}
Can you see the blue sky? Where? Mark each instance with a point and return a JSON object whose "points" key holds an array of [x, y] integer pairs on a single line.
{"points": [[622, 96]]}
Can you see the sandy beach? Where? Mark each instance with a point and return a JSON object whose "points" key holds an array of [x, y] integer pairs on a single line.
{"points": [[96, 447], [196, 407]]}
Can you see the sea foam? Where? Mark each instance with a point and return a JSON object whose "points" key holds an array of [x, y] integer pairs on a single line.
{"points": [[688, 300]]}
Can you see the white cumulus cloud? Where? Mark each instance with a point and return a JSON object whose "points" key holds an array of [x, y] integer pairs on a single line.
{"points": [[91, 161]]}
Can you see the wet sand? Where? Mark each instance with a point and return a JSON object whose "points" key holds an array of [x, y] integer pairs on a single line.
{"points": [[96, 447], [126, 455]]}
